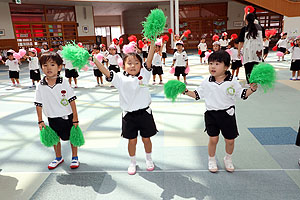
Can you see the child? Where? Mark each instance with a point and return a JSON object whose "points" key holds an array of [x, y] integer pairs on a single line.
{"points": [[13, 67], [156, 62], [59, 52], [56, 99], [33, 66], [117, 44], [177, 38], [224, 42], [135, 100], [180, 61], [216, 46], [295, 64], [266, 43], [70, 73], [45, 48], [112, 59], [282, 45], [164, 53], [203, 47], [219, 92], [145, 49], [236, 61], [97, 73]]}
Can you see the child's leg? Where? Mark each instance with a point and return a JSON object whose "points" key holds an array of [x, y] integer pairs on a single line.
{"points": [[17, 80], [154, 76], [13, 80], [233, 72], [98, 80], [131, 151], [184, 79], [147, 145], [32, 81], [75, 81], [237, 71], [75, 163], [201, 60], [160, 77], [101, 79], [57, 149], [178, 78], [164, 61], [212, 145], [74, 150], [298, 74], [70, 81], [293, 74], [148, 150], [229, 146]]}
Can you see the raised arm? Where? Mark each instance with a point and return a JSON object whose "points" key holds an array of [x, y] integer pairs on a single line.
{"points": [[150, 55], [101, 67]]}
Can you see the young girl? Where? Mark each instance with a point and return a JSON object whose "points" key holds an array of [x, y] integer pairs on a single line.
{"points": [[295, 64], [33, 66], [97, 73], [164, 53], [180, 61], [156, 62], [145, 49], [236, 61], [58, 104], [117, 44], [112, 59], [135, 100], [224, 42], [13, 67], [176, 38], [216, 46], [219, 92], [70, 73], [203, 47], [282, 45], [45, 48]]}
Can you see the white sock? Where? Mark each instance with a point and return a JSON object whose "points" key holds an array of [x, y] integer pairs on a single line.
{"points": [[211, 158], [133, 160], [228, 156], [148, 156]]}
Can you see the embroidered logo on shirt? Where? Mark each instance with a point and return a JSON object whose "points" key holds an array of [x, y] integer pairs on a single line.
{"points": [[230, 91], [64, 101]]}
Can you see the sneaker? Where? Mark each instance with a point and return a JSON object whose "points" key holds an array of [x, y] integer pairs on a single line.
{"points": [[161, 83], [294, 78], [153, 83], [237, 78], [132, 169], [76, 86], [228, 164], [212, 166], [13, 85], [55, 163], [150, 165], [74, 164], [298, 78], [18, 85]]}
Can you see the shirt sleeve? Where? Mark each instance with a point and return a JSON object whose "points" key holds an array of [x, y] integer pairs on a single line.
{"points": [[239, 91], [241, 37], [200, 91], [6, 62], [186, 56], [38, 96], [174, 56], [70, 92], [147, 73], [114, 79]]}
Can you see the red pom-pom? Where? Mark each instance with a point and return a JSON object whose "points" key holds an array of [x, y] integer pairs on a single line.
{"points": [[165, 38], [273, 32], [199, 52], [38, 50], [292, 44], [121, 41], [51, 49], [249, 9], [115, 40], [215, 38], [186, 33], [275, 48], [80, 44], [132, 38], [141, 44], [267, 33], [209, 51], [234, 36], [170, 30]]}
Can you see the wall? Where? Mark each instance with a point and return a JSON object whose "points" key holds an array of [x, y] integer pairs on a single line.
{"points": [[5, 21], [235, 13], [114, 20], [291, 25], [85, 21]]}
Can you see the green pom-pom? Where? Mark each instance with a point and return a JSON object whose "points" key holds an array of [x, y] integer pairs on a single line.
{"points": [[78, 56], [172, 88], [154, 24], [76, 137], [48, 137], [263, 74]]}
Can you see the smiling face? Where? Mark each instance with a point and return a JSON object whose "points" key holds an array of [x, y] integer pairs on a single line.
{"points": [[216, 47], [132, 65], [217, 69], [50, 68], [10, 57], [31, 54], [112, 51]]}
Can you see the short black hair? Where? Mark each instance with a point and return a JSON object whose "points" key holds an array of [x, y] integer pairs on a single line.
{"points": [[9, 53], [220, 56], [51, 56], [236, 41], [96, 47]]}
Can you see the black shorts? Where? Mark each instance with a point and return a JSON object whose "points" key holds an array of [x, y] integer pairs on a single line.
{"points": [[35, 75], [202, 55], [266, 50], [139, 120], [97, 73], [180, 70], [236, 64], [71, 73], [281, 49], [223, 48], [157, 70], [295, 66], [114, 68], [145, 54], [216, 121], [164, 55], [13, 74], [62, 126]]}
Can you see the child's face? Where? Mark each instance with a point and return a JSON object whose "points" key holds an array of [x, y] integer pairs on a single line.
{"points": [[10, 57], [95, 51], [216, 47], [202, 40], [112, 51], [298, 42], [179, 47], [31, 54], [50, 68], [157, 48], [236, 45], [60, 47], [132, 65], [45, 47], [284, 37], [217, 69]]}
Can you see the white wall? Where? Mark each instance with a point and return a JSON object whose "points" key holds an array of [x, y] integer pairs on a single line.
{"points": [[5, 21], [114, 20], [87, 20], [291, 25], [235, 13]]}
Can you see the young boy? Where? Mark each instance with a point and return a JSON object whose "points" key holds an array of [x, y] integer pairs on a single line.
{"points": [[13, 67], [203, 47], [135, 100], [236, 61], [113, 58], [180, 61], [34, 66], [216, 46], [156, 62], [56, 99], [70, 73], [282, 44], [219, 92]]}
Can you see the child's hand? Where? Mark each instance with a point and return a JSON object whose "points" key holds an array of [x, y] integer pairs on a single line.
{"points": [[253, 87], [75, 123], [41, 125]]}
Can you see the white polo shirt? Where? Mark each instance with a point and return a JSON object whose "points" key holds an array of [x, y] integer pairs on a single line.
{"points": [[68, 65], [180, 58], [133, 96], [164, 50], [118, 48], [33, 63], [282, 43], [266, 43], [44, 50], [234, 54], [55, 100], [295, 50], [13, 65], [202, 46], [145, 47], [220, 96], [224, 43], [113, 59], [156, 60]]}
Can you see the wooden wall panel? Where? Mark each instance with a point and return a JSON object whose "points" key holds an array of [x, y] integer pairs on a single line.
{"points": [[9, 44]]}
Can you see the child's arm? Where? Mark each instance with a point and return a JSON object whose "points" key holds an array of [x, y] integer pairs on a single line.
{"points": [[75, 115], [101, 67], [150, 55], [181, 37], [189, 93], [161, 48], [40, 117], [252, 89], [241, 44]]}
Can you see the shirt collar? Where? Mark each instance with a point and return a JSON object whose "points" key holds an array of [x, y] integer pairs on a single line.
{"points": [[59, 80], [228, 77], [126, 74]]}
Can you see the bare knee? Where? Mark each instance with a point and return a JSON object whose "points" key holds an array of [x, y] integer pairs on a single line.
{"points": [[132, 141], [214, 140], [229, 142], [146, 140]]}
